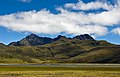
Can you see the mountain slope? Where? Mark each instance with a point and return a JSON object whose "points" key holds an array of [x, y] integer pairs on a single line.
{"points": [[62, 50]]}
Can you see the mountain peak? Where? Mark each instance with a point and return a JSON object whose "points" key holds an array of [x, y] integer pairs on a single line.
{"points": [[84, 37], [32, 36], [59, 37], [33, 40]]}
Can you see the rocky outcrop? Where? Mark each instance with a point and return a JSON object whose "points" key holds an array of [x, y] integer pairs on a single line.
{"points": [[34, 40], [84, 37]]}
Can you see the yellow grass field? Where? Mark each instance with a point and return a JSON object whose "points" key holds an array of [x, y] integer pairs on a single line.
{"points": [[32, 71], [68, 73]]}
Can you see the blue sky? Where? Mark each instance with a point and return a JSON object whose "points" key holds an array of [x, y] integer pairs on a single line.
{"points": [[99, 18]]}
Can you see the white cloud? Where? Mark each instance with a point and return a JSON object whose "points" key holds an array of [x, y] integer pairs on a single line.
{"points": [[25, 1], [44, 21], [88, 6], [116, 31], [107, 18], [48, 23]]}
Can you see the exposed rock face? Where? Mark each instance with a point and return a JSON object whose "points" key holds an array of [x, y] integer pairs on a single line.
{"points": [[14, 43], [33, 40], [59, 37], [84, 37]]}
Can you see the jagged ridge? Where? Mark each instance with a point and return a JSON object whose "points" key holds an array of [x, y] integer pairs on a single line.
{"points": [[34, 40]]}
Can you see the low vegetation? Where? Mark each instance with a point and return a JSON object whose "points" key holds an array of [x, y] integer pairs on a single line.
{"points": [[14, 71], [62, 51]]}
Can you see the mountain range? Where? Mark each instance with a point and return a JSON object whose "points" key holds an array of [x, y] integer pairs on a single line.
{"points": [[79, 49], [34, 40]]}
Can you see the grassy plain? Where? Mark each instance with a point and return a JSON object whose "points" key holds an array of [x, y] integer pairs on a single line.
{"points": [[34, 71]]}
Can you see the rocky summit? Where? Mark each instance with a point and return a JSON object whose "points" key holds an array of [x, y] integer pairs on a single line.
{"points": [[34, 40], [84, 37]]}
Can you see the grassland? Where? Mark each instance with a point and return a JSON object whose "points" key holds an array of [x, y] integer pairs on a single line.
{"points": [[62, 51], [30, 71]]}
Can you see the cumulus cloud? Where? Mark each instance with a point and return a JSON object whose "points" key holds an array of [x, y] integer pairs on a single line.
{"points": [[48, 23], [116, 31], [106, 18], [25, 1], [88, 6], [69, 22]]}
